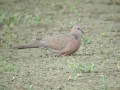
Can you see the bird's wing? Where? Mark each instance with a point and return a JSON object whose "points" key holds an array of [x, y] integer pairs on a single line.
{"points": [[57, 42]]}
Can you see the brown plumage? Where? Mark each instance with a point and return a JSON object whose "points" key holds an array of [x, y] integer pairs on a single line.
{"points": [[63, 44]]}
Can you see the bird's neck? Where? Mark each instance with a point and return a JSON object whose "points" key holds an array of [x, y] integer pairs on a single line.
{"points": [[75, 36]]}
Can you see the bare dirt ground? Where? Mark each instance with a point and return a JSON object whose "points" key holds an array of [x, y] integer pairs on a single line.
{"points": [[96, 66]]}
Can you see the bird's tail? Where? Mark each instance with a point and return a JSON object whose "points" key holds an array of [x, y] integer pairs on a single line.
{"points": [[27, 46], [34, 45]]}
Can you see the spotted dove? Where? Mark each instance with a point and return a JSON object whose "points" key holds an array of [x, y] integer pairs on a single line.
{"points": [[63, 44]]}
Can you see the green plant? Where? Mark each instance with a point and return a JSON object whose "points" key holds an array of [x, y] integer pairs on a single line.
{"points": [[12, 20], [2, 87], [71, 23], [29, 19], [47, 19], [30, 87], [104, 81], [10, 67], [106, 66], [56, 7], [118, 64], [86, 41], [73, 8], [2, 15], [82, 67], [7, 38]]}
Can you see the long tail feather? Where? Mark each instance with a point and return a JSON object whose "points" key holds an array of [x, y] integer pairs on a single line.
{"points": [[27, 46]]}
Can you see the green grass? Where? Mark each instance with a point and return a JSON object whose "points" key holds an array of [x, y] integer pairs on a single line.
{"points": [[2, 87], [2, 16], [56, 7], [86, 42], [7, 38], [30, 87], [82, 67], [104, 83], [7, 34], [13, 20], [73, 8], [77, 69], [9, 21], [5, 66], [10, 67], [16, 19], [32, 19], [118, 64]]}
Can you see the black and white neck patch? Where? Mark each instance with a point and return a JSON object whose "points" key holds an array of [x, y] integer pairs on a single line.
{"points": [[75, 36]]}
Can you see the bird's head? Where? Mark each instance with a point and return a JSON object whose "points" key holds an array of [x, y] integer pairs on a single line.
{"points": [[76, 30]]}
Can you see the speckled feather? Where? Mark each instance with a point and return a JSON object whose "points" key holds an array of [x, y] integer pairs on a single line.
{"points": [[58, 42]]}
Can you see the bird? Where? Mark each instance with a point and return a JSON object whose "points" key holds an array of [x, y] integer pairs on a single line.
{"points": [[62, 44]]}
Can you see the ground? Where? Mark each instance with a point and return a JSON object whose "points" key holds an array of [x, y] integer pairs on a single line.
{"points": [[95, 66]]}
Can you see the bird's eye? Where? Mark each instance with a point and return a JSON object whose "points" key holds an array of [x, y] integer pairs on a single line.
{"points": [[78, 28]]}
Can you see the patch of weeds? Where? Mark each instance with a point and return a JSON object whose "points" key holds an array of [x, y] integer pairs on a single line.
{"points": [[104, 34], [7, 37], [71, 23], [56, 7], [73, 8], [86, 41], [104, 83], [2, 87], [2, 15], [2, 57], [16, 19], [65, 84], [82, 67], [30, 87], [12, 20], [4, 66], [31, 20], [118, 64], [107, 67], [2, 62], [99, 39], [118, 58], [10, 67], [79, 68], [9, 21], [47, 19]]}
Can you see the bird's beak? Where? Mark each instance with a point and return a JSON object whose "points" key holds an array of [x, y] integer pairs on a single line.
{"points": [[82, 31]]}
